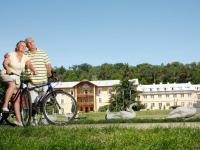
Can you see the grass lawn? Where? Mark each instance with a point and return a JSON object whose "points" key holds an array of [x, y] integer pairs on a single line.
{"points": [[110, 137], [141, 117], [153, 114], [53, 138]]}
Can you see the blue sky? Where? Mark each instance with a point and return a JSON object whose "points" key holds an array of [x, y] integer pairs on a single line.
{"points": [[105, 31]]}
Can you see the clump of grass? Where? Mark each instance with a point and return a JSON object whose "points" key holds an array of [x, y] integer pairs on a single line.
{"points": [[52, 137]]}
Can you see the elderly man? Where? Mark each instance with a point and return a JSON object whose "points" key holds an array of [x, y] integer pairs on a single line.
{"points": [[41, 63]]}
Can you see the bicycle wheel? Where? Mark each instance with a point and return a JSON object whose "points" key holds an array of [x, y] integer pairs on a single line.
{"points": [[25, 107], [59, 107], [10, 117], [1, 103]]}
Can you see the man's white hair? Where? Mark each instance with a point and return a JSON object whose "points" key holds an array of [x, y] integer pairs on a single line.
{"points": [[29, 38]]}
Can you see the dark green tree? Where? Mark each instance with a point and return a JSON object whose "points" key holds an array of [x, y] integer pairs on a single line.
{"points": [[124, 94]]}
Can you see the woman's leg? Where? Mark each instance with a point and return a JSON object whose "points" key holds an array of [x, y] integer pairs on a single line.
{"points": [[9, 93], [17, 109]]}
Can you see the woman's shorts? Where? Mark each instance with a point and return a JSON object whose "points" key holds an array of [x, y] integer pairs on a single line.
{"points": [[8, 78]]}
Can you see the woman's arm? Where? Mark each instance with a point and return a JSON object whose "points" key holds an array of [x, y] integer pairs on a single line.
{"points": [[30, 66], [6, 61]]}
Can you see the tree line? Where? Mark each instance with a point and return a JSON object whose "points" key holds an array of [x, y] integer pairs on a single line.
{"points": [[146, 73]]}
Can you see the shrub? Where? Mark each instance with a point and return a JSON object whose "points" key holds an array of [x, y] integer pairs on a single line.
{"points": [[103, 108]]}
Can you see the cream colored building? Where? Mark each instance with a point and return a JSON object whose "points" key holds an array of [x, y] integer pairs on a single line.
{"points": [[91, 95], [164, 96]]}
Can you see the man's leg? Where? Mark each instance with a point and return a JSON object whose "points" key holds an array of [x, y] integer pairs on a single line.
{"points": [[34, 95]]}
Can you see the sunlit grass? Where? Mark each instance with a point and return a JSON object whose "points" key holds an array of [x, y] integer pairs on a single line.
{"points": [[52, 137]]}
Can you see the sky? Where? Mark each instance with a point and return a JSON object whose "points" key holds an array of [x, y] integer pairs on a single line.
{"points": [[73, 32]]}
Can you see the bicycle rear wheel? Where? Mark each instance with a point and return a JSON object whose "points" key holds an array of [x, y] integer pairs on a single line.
{"points": [[59, 107], [25, 107]]}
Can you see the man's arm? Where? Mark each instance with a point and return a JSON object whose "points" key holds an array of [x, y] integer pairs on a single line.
{"points": [[49, 68], [30, 66]]}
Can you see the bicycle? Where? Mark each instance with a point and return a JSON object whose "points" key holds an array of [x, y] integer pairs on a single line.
{"points": [[25, 104], [57, 106]]}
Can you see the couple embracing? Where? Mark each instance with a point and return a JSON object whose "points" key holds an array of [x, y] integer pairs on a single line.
{"points": [[35, 60]]}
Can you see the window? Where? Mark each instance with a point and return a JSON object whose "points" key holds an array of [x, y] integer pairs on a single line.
{"points": [[168, 104], [182, 95], [167, 95], [189, 94], [62, 101], [99, 91], [91, 109], [62, 111], [81, 109], [109, 90], [174, 95], [152, 96], [159, 96], [145, 96], [160, 105], [86, 92], [152, 105], [145, 105], [71, 92], [100, 100], [182, 104]]}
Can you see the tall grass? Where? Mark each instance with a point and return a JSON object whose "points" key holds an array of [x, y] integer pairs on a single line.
{"points": [[109, 138]]}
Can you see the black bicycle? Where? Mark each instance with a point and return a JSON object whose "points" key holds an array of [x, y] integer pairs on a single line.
{"points": [[25, 104], [57, 106]]}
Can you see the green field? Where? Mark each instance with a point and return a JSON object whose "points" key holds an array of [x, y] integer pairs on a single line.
{"points": [[153, 114], [54, 138], [110, 137]]}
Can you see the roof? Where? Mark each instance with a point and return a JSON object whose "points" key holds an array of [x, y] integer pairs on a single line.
{"points": [[168, 87], [106, 82], [64, 84], [99, 83]]}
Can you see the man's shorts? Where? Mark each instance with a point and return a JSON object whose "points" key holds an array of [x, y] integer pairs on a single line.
{"points": [[37, 92]]}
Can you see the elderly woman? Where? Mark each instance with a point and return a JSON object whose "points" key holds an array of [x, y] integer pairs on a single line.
{"points": [[14, 63]]}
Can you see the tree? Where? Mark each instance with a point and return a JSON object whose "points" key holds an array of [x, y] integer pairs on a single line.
{"points": [[124, 94]]}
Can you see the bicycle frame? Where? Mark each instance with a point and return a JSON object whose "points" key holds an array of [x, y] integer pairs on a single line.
{"points": [[16, 95], [40, 100]]}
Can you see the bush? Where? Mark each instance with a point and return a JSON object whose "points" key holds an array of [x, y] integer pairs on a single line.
{"points": [[103, 108]]}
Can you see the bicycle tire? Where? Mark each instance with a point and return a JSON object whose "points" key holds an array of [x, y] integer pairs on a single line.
{"points": [[1, 103], [10, 116], [59, 107], [25, 107]]}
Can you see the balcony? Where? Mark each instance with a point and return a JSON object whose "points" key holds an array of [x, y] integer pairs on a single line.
{"points": [[88, 95]]}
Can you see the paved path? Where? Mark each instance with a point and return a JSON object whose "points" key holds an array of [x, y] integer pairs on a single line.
{"points": [[140, 125]]}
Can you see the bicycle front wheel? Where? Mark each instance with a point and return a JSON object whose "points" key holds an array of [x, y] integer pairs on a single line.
{"points": [[59, 107], [25, 107], [1, 104]]}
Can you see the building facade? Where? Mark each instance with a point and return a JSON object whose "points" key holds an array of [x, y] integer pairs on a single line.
{"points": [[165, 96], [91, 95]]}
